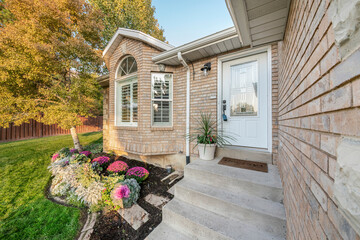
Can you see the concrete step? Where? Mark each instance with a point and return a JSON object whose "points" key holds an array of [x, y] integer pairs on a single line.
{"points": [[244, 153], [264, 185], [267, 214], [165, 232], [199, 223]]}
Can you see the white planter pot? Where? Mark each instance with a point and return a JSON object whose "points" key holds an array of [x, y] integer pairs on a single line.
{"points": [[208, 152]]}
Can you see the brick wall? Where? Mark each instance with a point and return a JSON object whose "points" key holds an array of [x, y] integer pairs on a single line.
{"points": [[274, 100], [318, 103]]}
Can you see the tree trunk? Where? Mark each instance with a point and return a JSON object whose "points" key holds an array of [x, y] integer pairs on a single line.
{"points": [[75, 139]]}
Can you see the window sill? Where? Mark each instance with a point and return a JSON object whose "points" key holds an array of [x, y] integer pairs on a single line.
{"points": [[131, 128], [155, 128]]}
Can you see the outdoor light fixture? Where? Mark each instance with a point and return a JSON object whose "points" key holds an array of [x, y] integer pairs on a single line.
{"points": [[206, 68]]}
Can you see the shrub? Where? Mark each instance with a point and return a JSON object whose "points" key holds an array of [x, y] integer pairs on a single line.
{"points": [[125, 194], [94, 148], [55, 156], [85, 175], [74, 200], [90, 195], [64, 152], [74, 150], [118, 167], [86, 153], [101, 160], [138, 173], [79, 158]]}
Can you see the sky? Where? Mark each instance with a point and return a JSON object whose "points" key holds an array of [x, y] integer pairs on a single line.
{"points": [[188, 20]]}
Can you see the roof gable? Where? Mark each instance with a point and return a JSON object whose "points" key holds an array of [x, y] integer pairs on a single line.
{"points": [[121, 33]]}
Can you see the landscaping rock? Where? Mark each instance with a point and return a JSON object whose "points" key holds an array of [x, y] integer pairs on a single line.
{"points": [[155, 200], [59, 200], [136, 216]]}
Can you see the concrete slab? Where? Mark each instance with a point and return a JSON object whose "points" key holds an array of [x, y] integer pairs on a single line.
{"points": [[157, 201], [136, 216], [171, 190]]}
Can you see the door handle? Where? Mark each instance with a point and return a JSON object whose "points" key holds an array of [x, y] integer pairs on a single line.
{"points": [[224, 111]]}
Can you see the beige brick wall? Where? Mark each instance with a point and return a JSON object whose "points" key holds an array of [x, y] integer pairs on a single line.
{"points": [[318, 103], [166, 145]]}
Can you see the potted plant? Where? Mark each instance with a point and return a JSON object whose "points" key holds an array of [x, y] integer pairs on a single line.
{"points": [[208, 136]]}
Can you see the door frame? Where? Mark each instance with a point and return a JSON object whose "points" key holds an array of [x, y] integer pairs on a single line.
{"points": [[242, 54]]}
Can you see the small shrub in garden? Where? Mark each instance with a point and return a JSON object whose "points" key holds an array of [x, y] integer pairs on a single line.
{"points": [[138, 173], [101, 160], [94, 148], [64, 152], [125, 194], [74, 150], [79, 158], [86, 175], [100, 163], [118, 167], [55, 157], [86, 153]]}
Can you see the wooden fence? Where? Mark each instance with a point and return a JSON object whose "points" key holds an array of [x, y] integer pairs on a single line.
{"points": [[34, 129]]}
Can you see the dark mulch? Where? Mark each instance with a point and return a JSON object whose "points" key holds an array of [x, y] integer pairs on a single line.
{"points": [[110, 225]]}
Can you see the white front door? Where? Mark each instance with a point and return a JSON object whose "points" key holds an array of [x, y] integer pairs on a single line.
{"points": [[245, 94]]}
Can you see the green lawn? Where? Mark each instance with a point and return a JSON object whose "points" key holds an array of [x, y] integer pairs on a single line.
{"points": [[25, 213]]}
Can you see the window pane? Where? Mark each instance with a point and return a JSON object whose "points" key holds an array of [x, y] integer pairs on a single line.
{"points": [[244, 89], [161, 86], [123, 67], [125, 103], [135, 102], [161, 111], [118, 103], [127, 66], [132, 65]]}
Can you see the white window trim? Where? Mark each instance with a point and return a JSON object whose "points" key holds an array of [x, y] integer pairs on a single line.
{"points": [[171, 97], [131, 78]]}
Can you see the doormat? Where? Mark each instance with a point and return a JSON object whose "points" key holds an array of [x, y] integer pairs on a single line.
{"points": [[250, 165]]}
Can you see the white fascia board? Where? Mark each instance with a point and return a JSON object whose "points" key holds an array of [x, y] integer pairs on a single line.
{"points": [[202, 42], [134, 34], [239, 17]]}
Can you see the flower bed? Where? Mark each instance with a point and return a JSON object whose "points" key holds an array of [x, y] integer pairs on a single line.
{"points": [[95, 180]]}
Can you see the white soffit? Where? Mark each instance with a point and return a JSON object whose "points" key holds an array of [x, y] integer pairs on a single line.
{"points": [[259, 21], [220, 42], [137, 35]]}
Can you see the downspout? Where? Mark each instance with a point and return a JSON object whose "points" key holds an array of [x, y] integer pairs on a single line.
{"points": [[181, 59]]}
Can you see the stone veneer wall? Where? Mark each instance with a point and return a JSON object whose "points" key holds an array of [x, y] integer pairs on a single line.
{"points": [[166, 145], [319, 103]]}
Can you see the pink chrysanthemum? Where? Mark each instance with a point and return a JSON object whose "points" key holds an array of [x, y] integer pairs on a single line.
{"points": [[86, 153], [139, 173], [101, 160], [118, 167], [73, 150], [55, 156], [122, 192]]}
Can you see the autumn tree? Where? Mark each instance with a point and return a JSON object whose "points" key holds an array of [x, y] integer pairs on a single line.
{"points": [[49, 57], [132, 14]]}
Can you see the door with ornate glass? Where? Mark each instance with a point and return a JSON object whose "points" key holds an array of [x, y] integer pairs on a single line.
{"points": [[245, 95]]}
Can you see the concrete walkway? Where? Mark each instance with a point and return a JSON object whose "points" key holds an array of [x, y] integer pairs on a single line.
{"points": [[220, 202]]}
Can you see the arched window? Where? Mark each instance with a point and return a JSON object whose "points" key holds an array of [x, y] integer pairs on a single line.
{"points": [[127, 66], [126, 93]]}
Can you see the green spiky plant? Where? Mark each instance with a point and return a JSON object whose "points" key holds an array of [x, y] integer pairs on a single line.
{"points": [[207, 132]]}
